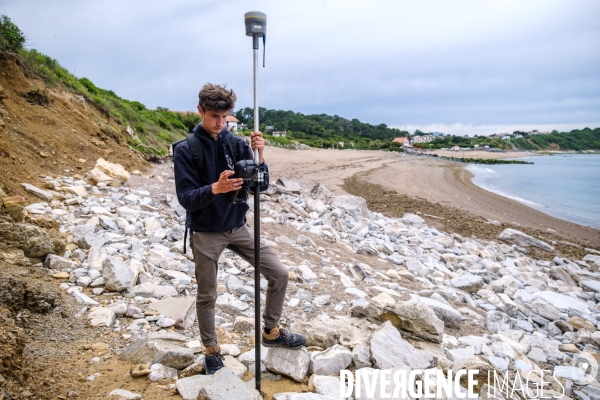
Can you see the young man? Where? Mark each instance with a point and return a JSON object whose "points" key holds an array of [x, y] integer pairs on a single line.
{"points": [[215, 224]]}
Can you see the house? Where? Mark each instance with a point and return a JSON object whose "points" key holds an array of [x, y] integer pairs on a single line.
{"points": [[455, 148], [422, 139], [279, 133], [402, 140], [232, 122], [505, 137]]}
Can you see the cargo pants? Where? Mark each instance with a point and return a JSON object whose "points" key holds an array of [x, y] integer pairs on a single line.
{"points": [[207, 247]]}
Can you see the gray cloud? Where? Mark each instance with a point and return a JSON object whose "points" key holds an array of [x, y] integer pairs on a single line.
{"points": [[463, 65]]}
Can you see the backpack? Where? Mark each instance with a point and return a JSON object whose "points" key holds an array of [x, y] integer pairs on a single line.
{"points": [[198, 158]]}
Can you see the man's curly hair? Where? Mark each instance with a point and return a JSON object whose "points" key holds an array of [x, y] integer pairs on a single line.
{"points": [[216, 98]]}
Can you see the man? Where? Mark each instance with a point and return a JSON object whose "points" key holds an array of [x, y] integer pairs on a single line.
{"points": [[215, 224]]}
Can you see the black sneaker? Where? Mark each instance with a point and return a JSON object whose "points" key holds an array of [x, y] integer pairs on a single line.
{"points": [[213, 361], [282, 338]]}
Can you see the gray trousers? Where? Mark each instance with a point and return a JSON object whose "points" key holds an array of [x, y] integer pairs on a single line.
{"points": [[207, 247]]}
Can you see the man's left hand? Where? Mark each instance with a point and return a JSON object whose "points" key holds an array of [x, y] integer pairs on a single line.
{"points": [[258, 143]]}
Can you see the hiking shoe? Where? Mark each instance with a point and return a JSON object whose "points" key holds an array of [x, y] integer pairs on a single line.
{"points": [[213, 360], [282, 338]]}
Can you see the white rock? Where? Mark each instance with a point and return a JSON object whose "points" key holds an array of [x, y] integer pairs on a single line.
{"points": [[330, 361], [159, 371], [101, 316], [390, 350], [291, 363]]}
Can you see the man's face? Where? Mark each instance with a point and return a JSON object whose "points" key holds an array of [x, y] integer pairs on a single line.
{"points": [[213, 121]]}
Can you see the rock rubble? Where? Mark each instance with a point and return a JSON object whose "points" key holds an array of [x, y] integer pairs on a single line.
{"points": [[372, 292]]}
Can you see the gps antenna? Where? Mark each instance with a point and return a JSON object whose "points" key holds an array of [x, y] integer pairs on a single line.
{"points": [[256, 26]]}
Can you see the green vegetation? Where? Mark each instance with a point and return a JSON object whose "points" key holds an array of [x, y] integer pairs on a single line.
{"points": [[11, 37], [154, 130], [321, 130]]}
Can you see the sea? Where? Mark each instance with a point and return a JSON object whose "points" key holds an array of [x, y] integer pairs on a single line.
{"points": [[566, 186]]}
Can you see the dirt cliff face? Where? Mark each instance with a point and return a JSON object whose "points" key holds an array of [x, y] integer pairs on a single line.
{"points": [[51, 131]]}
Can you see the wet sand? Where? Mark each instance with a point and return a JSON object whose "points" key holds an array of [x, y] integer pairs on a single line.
{"points": [[445, 183]]}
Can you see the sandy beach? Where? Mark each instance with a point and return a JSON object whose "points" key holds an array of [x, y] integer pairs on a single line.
{"points": [[444, 186]]}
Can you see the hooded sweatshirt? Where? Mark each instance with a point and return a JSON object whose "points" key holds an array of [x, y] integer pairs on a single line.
{"points": [[207, 212]]}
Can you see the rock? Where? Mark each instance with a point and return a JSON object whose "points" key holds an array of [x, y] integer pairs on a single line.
{"points": [[497, 321], [164, 348], [117, 173], [289, 185], [414, 319], [590, 285], [232, 306], [390, 350], [468, 282], [76, 190], [473, 363], [330, 361], [546, 310], [521, 239], [36, 191], [125, 394], [361, 356], [291, 363], [580, 323], [445, 241], [355, 206], [159, 371], [409, 218], [235, 366], [117, 275], [53, 261], [224, 385], [180, 309], [189, 388], [242, 324], [320, 192], [325, 385], [347, 331], [446, 313], [459, 354], [31, 239], [84, 299], [165, 322], [101, 316], [563, 302]]}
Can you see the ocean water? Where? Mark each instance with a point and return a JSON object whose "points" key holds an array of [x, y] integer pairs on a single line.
{"points": [[565, 186]]}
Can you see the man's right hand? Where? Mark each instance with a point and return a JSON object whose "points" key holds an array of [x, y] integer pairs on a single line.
{"points": [[224, 184]]}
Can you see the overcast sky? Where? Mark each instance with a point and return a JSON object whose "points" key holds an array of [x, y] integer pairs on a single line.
{"points": [[461, 66]]}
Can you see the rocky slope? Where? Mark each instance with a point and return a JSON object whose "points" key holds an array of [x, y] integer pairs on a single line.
{"points": [[49, 130], [369, 292]]}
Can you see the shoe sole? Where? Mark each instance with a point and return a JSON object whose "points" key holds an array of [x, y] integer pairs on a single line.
{"points": [[282, 346]]}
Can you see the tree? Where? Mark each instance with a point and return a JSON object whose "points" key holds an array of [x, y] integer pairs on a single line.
{"points": [[11, 37]]}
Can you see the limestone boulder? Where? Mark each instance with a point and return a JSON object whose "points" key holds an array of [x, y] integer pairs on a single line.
{"points": [[330, 361], [522, 239], [414, 319], [390, 350], [180, 309], [291, 363], [169, 349], [118, 276]]}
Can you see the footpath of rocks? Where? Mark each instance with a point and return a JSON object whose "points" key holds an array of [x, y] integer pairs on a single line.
{"points": [[427, 300]]}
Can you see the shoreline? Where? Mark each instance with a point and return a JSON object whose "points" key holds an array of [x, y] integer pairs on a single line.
{"points": [[442, 185]]}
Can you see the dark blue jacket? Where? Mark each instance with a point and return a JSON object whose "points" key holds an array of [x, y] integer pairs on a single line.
{"points": [[207, 212]]}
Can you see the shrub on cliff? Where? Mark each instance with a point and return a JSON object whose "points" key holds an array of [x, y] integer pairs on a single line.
{"points": [[11, 37]]}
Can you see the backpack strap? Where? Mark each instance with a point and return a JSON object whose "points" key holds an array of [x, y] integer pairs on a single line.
{"points": [[197, 156], [233, 149]]}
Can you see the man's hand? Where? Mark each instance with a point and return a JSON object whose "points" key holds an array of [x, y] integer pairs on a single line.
{"points": [[224, 184], [258, 143]]}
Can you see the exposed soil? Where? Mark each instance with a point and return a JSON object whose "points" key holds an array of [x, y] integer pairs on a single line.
{"points": [[49, 131]]}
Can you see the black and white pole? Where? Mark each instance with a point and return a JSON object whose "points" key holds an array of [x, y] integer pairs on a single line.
{"points": [[256, 26]]}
